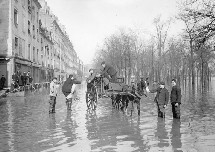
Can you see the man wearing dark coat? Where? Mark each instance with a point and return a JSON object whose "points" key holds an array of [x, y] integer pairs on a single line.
{"points": [[90, 79], [175, 99], [141, 87], [161, 99], [67, 88], [24, 78], [2, 82], [109, 72]]}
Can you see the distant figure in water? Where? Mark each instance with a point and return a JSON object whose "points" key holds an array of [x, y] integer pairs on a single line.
{"points": [[2, 82], [175, 99]]}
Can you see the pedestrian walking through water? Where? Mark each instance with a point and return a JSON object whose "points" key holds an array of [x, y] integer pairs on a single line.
{"points": [[175, 99], [68, 90], [53, 95], [161, 99]]}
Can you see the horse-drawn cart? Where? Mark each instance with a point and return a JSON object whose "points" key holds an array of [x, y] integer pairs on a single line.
{"points": [[120, 93]]}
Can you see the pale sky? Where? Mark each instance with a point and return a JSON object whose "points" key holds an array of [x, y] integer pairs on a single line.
{"points": [[88, 22]]}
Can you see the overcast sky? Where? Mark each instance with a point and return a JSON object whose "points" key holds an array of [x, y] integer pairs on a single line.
{"points": [[88, 22]]}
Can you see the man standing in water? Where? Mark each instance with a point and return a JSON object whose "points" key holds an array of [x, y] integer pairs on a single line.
{"points": [[161, 99], [175, 99], [53, 94], [68, 90], [2, 82]]}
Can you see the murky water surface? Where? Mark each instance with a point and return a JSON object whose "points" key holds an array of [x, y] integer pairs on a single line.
{"points": [[26, 126]]}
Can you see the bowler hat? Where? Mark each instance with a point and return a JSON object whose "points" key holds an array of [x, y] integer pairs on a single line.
{"points": [[103, 62]]}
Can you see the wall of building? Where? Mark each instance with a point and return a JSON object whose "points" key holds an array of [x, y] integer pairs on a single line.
{"points": [[23, 48], [4, 26]]}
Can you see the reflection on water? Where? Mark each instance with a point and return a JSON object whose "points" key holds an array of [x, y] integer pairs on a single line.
{"points": [[26, 126], [176, 136], [161, 133]]}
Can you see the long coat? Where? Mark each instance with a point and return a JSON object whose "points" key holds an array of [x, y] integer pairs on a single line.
{"points": [[67, 86], [162, 96], [175, 96], [109, 70]]}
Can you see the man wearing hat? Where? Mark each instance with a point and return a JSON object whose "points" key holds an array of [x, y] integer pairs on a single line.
{"points": [[68, 89], [175, 99], [109, 72], [90, 79], [161, 99]]}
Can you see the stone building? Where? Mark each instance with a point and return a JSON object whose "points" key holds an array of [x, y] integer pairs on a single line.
{"points": [[19, 37], [65, 57], [47, 55], [32, 40]]}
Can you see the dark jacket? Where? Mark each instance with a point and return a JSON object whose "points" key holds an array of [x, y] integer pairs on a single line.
{"points": [[109, 70], [143, 85], [91, 77], [67, 86], [162, 96], [175, 96], [3, 79]]}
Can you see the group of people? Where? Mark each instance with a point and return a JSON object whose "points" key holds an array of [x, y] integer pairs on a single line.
{"points": [[68, 90], [108, 72], [162, 99], [21, 79], [162, 96], [69, 85]]}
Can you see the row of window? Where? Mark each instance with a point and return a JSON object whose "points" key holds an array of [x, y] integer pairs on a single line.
{"points": [[34, 32], [32, 53]]}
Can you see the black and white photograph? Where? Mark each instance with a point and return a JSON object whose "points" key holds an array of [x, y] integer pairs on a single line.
{"points": [[107, 75]]}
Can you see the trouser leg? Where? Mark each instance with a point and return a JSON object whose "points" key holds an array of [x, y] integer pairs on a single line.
{"points": [[53, 109], [69, 103], [161, 111], [51, 104], [137, 100], [173, 110], [176, 111]]}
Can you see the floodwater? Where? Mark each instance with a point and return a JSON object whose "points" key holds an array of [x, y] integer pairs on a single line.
{"points": [[26, 126]]}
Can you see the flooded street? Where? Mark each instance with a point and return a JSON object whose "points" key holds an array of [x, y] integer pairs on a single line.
{"points": [[26, 126]]}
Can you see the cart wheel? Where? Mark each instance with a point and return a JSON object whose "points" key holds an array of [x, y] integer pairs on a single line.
{"points": [[138, 106], [94, 101], [88, 100]]}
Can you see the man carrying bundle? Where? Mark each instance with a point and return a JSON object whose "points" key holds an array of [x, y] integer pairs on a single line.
{"points": [[68, 90]]}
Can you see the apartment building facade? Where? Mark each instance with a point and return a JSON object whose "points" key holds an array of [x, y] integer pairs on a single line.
{"points": [[32, 40], [19, 36], [65, 57]]}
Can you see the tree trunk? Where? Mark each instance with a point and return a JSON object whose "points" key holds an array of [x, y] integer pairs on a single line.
{"points": [[192, 65]]}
